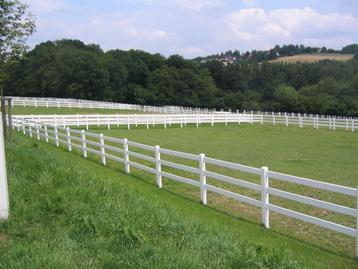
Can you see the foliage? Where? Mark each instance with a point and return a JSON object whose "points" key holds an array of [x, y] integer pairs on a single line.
{"points": [[69, 68], [16, 24]]}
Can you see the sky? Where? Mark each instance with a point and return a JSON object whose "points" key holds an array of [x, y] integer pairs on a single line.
{"points": [[196, 27]]}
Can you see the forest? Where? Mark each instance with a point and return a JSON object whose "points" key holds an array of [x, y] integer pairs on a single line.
{"points": [[70, 68]]}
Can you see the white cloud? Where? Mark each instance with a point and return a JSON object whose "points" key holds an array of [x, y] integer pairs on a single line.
{"points": [[42, 6], [260, 28]]}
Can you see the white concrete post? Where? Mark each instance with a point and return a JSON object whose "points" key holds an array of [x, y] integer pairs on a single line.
{"points": [[103, 153], [265, 213], [4, 195], [158, 167], [203, 191], [126, 156], [68, 138], [84, 144]]}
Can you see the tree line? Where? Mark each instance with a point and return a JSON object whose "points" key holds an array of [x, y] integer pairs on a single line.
{"points": [[72, 69]]}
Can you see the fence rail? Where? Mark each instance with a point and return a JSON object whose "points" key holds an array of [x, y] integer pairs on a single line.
{"points": [[123, 151], [148, 120]]}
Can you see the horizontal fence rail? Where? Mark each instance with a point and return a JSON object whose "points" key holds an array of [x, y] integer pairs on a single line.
{"points": [[154, 161], [80, 103], [274, 117], [108, 120]]}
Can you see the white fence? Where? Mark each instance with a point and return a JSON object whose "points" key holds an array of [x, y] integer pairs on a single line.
{"points": [[148, 120], [153, 161], [135, 119], [80, 103]]}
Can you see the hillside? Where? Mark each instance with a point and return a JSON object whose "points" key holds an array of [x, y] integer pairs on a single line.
{"points": [[313, 57], [55, 223]]}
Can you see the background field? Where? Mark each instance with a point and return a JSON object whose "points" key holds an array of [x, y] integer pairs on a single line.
{"points": [[69, 212], [311, 58], [19, 110], [323, 155]]}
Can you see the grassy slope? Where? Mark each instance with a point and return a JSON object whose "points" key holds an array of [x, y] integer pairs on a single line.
{"points": [[19, 110], [310, 58], [67, 212], [319, 154]]}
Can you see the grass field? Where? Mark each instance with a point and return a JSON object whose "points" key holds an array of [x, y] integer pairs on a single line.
{"points": [[67, 212], [311, 58], [324, 155], [19, 110]]}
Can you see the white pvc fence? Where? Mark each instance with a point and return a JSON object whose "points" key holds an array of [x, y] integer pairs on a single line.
{"points": [[80, 103], [349, 124], [135, 119], [152, 161]]}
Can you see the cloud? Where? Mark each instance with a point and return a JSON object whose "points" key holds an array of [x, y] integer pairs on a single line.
{"points": [[262, 28], [190, 27]]}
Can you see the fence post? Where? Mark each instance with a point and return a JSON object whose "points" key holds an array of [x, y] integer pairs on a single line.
{"points": [[128, 123], [57, 142], [203, 191], [286, 118], [37, 132], [68, 138], [126, 156], [4, 196], [273, 118], [158, 167], [84, 145], [262, 118], [103, 153], [30, 129], [352, 125], [265, 213], [46, 134]]}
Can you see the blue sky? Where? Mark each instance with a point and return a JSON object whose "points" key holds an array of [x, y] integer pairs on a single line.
{"points": [[196, 27]]}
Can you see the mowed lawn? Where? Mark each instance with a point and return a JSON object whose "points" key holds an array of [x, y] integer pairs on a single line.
{"points": [[28, 110], [68, 212], [330, 156]]}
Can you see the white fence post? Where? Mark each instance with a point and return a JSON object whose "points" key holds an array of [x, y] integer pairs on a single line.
{"points": [[265, 213], [158, 167], [203, 191], [273, 118], [126, 156], [84, 144], [37, 132], [4, 195], [68, 138], [103, 153], [57, 142], [46, 134], [30, 129]]}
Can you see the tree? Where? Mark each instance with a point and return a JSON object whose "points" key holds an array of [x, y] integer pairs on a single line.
{"points": [[16, 24]]}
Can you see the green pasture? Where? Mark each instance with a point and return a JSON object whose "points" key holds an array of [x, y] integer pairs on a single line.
{"points": [[68, 212]]}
